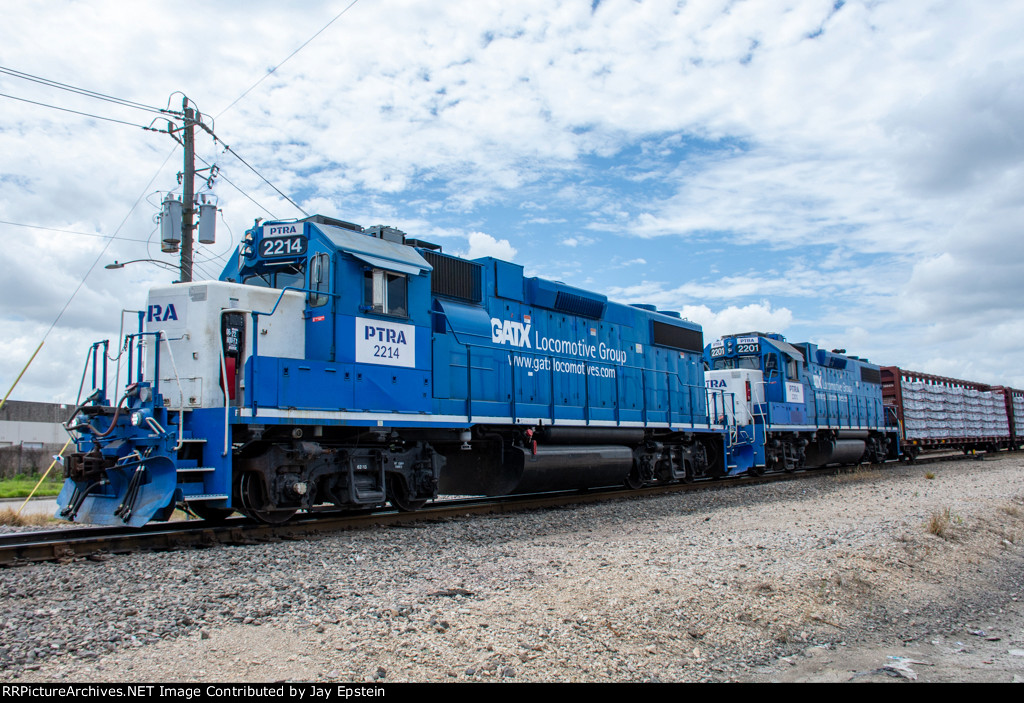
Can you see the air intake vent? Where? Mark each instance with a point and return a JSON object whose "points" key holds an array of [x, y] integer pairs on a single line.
{"points": [[454, 278], [578, 305], [870, 375], [678, 337]]}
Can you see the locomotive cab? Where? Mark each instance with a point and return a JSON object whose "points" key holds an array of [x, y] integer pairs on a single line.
{"points": [[315, 424]]}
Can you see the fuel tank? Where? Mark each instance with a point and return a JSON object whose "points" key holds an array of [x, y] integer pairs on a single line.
{"points": [[525, 470]]}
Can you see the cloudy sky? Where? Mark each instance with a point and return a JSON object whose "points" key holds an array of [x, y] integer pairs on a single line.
{"points": [[848, 173]]}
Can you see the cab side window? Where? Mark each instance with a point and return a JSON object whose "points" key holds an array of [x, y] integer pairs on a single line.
{"points": [[792, 370], [386, 292], [319, 280]]}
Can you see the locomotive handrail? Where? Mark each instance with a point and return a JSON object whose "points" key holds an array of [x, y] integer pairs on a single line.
{"points": [[763, 415], [224, 377], [94, 349], [181, 393], [91, 355], [120, 336], [130, 341], [224, 371]]}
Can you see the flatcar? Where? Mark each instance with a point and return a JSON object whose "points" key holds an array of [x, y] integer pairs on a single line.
{"points": [[936, 412], [333, 366]]}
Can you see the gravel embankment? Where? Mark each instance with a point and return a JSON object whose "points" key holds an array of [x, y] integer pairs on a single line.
{"points": [[834, 573]]}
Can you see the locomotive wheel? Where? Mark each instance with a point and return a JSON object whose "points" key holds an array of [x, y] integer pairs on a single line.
{"points": [[250, 493], [398, 496], [633, 480]]}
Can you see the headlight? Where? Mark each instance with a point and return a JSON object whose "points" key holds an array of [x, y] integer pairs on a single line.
{"points": [[138, 417]]}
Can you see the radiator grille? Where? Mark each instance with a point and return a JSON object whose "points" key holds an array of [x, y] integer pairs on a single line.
{"points": [[870, 375], [454, 278], [578, 305], [678, 337]]}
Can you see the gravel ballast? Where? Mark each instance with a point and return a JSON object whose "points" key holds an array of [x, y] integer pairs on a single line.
{"points": [[825, 578]]}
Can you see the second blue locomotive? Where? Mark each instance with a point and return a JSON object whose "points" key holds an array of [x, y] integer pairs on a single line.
{"points": [[797, 406]]}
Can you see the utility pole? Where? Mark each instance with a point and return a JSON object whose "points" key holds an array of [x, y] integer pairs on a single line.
{"points": [[188, 209]]}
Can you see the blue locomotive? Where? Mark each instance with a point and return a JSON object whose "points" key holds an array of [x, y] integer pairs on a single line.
{"points": [[796, 406], [333, 366]]}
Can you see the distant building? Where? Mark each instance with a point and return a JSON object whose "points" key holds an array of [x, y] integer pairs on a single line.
{"points": [[33, 425], [30, 434]]}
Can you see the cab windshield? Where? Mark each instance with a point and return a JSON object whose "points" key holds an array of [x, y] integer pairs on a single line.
{"points": [[739, 362], [293, 275]]}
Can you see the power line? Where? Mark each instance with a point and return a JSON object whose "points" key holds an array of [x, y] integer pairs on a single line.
{"points": [[221, 176], [70, 231], [86, 92], [301, 47], [107, 245], [235, 154], [86, 114], [203, 270]]}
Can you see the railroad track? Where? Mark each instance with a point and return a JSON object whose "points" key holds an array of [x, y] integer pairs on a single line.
{"points": [[98, 543]]}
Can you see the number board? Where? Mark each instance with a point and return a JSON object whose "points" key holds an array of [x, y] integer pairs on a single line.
{"points": [[271, 247], [747, 345]]}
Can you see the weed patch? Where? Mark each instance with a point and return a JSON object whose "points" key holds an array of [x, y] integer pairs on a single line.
{"points": [[941, 522], [859, 473], [9, 516], [1012, 510]]}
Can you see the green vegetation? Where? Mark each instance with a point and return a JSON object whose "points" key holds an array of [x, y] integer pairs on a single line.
{"points": [[21, 486]]}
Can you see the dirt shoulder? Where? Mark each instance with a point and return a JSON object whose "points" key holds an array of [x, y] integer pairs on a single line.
{"points": [[900, 574]]}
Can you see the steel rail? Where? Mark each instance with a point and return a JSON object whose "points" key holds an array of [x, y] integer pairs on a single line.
{"points": [[97, 543]]}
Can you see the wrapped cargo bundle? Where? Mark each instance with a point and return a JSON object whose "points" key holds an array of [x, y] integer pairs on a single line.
{"points": [[938, 410]]}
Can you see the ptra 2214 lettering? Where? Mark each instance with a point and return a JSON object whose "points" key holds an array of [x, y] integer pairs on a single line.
{"points": [[383, 352], [283, 246]]}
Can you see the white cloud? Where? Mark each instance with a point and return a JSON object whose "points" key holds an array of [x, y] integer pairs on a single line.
{"points": [[860, 165], [732, 319], [482, 244]]}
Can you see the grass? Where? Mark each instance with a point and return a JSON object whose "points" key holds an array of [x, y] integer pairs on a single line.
{"points": [[929, 475], [21, 486], [861, 472], [9, 516], [939, 524], [1012, 510]]}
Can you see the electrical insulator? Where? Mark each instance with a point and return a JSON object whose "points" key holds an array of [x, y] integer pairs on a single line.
{"points": [[170, 222]]}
